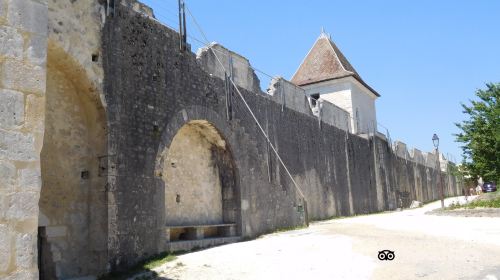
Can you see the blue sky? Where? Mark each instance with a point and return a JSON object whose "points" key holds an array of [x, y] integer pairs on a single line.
{"points": [[423, 57]]}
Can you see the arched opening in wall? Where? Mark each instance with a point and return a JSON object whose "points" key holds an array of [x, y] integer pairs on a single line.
{"points": [[202, 200], [73, 213]]}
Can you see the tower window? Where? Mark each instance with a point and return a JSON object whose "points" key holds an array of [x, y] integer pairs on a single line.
{"points": [[314, 99]]}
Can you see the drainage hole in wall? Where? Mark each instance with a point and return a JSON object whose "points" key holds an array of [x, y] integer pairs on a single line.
{"points": [[85, 174]]}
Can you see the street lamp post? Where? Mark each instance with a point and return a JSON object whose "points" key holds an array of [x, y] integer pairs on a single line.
{"points": [[435, 141]]}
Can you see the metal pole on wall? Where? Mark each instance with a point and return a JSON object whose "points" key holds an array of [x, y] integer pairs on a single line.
{"points": [[110, 8], [182, 26], [435, 141], [440, 181]]}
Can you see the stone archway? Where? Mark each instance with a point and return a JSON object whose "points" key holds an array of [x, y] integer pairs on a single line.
{"points": [[73, 212], [201, 196]]}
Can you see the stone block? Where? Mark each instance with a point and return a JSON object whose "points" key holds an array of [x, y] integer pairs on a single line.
{"points": [[36, 52], [35, 113], [23, 275], [4, 202], [5, 250], [229, 231], [167, 234], [243, 75], [3, 10], [416, 156], [11, 108], [12, 42], [7, 176], [28, 15], [26, 78], [290, 95], [430, 159], [55, 231], [17, 146], [23, 206], [400, 150], [56, 253], [30, 179], [43, 221], [26, 250]]}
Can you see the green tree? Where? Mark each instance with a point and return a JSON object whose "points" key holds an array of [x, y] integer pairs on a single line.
{"points": [[480, 135]]}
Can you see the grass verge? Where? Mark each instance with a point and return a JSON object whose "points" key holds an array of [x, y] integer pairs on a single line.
{"points": [[283, 229], [144, 266], [486, 200]]}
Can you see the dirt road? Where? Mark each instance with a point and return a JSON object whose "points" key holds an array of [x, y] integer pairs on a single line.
{"points": [[425, 246]]}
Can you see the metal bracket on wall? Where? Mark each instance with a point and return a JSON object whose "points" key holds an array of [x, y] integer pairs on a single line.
{"points": [[110, 8], [268, 152], [231, 70], [282, 91], [182, 26], [229, 105], [320, 105], [107, 166]]}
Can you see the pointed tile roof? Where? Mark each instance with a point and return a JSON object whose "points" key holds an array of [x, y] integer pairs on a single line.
{"points": [[325, 62]]}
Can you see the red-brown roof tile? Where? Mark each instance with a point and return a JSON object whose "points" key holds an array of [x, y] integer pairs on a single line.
{"points": [[325, 62]]}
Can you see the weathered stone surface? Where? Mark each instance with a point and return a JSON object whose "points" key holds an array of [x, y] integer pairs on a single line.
{"points": [[23, 44], [11, 108], [56, 253], [56, 231], [401, 150], [5, 247], [289, 95], [195, 193], [3, 10], [7, 175], [75, 30], [30, 179], [4, 203], [22, 275], [43, 221], [23, 206], [243, 75], [25, 250], [74, 203], [26, 78], [12, 42], [36, 52], [28, 15], [17, 146], [416, 156]]}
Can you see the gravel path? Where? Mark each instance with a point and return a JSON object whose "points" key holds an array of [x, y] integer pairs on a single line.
{"points": [[426, 247]]}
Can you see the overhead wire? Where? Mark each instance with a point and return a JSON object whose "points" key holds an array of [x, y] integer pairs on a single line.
{"points": [[297, 187], [170, 15]]}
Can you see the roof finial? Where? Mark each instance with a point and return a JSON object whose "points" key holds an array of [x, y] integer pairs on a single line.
{"points": [[324, 34]]}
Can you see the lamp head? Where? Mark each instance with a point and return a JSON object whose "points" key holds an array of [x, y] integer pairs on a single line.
{"points": [[435, 140]]}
